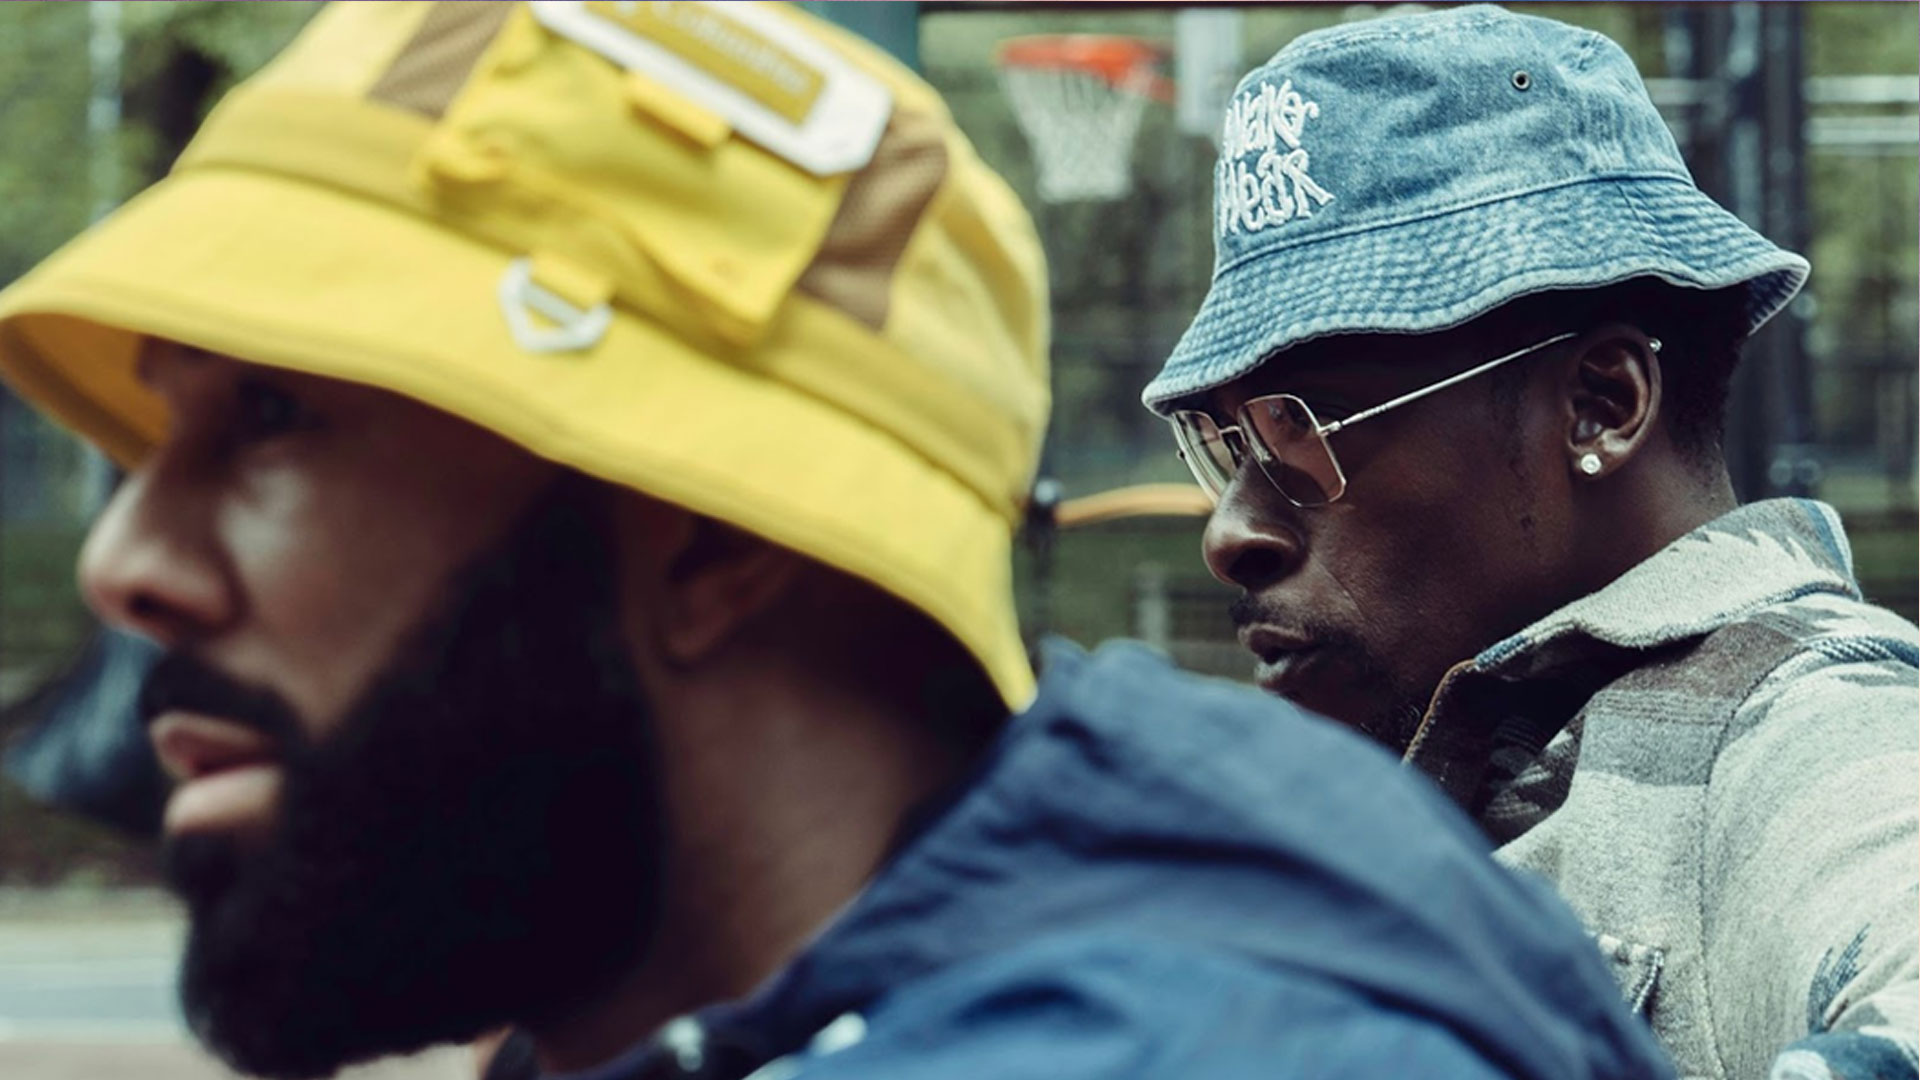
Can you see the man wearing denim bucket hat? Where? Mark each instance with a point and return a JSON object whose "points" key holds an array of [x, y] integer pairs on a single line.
{"points": [[1457, 390], [574, 452]]}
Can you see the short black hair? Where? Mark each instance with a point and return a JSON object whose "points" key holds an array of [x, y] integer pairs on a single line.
{"points": [[1701, 332]]}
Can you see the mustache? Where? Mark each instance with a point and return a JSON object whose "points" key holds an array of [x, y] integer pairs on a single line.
{"points": [[1248, 609], [179, 681]]}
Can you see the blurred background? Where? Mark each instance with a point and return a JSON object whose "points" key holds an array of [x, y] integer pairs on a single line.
{"points": [[1801, 118]]}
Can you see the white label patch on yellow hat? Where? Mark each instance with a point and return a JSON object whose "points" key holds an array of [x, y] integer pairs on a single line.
{"points": [[779, 87]]}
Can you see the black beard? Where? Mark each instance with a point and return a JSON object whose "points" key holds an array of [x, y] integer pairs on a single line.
{"points": [[477, 843]]}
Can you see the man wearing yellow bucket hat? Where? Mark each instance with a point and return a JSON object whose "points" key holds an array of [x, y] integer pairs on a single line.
{"points": [[573, 456]]}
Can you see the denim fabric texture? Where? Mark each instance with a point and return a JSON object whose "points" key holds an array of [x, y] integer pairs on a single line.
{"points": [[1407, 175]]}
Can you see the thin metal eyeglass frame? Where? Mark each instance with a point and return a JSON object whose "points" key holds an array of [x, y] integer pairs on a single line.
{"points": [[1321, 431]]}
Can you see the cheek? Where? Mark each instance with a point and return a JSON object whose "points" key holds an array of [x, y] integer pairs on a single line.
{"points": [[335, 576], [1419, 547]]}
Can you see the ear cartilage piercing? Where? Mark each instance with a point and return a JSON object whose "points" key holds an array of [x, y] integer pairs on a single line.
{"points": [[1653, 343], [1590, 464]]}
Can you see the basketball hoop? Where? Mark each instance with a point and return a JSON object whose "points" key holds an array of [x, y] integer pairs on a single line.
{"points": [[1079, 99]]}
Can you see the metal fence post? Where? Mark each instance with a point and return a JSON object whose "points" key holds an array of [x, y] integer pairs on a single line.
{"points": [[1152, 606]]}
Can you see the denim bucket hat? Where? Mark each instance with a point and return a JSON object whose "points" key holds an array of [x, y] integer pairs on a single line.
{"points": [[1408, 175]]}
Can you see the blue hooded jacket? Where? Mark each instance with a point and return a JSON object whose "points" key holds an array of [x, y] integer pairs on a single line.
{"points": [[1156, 875]]}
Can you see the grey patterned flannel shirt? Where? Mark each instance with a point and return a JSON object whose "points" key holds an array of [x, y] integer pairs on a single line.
{"points": [[1716, 758]]}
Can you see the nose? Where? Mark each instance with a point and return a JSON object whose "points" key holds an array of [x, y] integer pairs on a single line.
{"points": [[1248, 542], [150, 565]]}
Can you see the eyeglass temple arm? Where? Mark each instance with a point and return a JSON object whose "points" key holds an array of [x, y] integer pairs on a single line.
{"points": [[1328, 429]]}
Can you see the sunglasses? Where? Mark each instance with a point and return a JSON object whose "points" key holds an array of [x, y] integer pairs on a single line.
{"points": [[1281, 434]]}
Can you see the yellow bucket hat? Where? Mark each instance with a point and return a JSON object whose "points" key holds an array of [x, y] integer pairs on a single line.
{"points": [[721, 253]]}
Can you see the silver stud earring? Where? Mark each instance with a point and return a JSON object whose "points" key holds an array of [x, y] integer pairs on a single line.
{"points": [[1590, 464]]}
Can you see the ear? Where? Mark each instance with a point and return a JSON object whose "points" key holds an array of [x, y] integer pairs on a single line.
{"points": [[690, 583], [1613, 399], [716, 582]]}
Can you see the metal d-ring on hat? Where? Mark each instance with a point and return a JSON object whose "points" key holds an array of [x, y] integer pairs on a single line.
{"points": [[1408, 175]]}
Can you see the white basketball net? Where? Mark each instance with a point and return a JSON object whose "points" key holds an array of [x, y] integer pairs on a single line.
{"points": [[1081, 128]]}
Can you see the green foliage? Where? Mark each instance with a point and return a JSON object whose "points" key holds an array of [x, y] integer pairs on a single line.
{"points": [[1090, 579], [191, 50], [240, 38], [1886, 553], [43, 115], [1863, 247], [1862, 38], [41, 617]]}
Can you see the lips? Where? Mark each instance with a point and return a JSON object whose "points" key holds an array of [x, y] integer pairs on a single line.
{"points": [[1282, 656], [191, 745], [228, 775]]}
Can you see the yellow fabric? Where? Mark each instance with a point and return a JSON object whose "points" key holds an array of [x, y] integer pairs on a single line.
{"points": [[570, 281], [311, 229], [706, 128], [734, 226]]}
